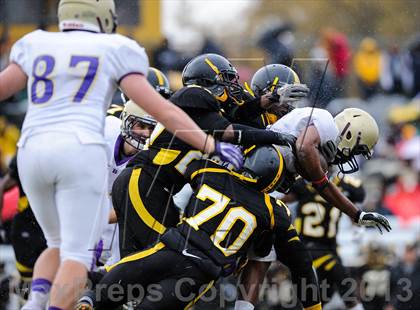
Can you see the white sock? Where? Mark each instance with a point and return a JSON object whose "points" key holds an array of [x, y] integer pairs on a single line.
{"points": [[359, 306], [243, 305], [36, 301]]}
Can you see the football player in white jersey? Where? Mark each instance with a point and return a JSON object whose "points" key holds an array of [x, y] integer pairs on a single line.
{"points": [[321, 141], [71, 76]]}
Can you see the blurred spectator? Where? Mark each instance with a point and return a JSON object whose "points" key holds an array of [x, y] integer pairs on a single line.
{"points": [[414, 62], [367, 66], [278, 43], [210, 46], [393, 71], [374, 278], [9, 135], [404, 200], [4, 49], [405, 281], [165, 58], [375, 192], [338, 49]]}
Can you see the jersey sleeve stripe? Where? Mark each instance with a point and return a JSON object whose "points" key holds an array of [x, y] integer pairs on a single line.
{"points": [[127, 74]]}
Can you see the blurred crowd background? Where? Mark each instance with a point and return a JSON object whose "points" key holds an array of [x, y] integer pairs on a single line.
{"points": [[363, 54]]}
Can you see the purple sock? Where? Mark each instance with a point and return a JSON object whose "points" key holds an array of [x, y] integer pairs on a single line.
{"points": [[54, 308], [41, 285]]}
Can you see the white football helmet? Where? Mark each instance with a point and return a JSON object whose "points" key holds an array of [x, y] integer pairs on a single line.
{"points": [[359, 133], [90, 15], [131, 115]]}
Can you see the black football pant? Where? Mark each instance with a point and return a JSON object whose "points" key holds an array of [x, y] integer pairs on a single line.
{"points": [[157, 278], [332, 275]]}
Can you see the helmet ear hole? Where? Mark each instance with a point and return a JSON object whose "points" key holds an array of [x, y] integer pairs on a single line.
{"points": [[348, 135]]}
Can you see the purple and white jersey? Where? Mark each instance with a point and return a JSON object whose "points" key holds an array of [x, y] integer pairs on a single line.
{"points": [[296, 121], [115, 142], [72, 77], [116, 164]]}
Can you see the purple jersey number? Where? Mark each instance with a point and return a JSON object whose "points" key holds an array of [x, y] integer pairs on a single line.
{"points": [[44, 64], [89, 77]]}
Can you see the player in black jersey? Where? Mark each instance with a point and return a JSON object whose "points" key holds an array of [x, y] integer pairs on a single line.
{"points": [[26, 235], [273, 91], [223, 219], [144, 190], [317, 223]]}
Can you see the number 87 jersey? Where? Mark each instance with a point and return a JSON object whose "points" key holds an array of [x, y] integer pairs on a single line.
{"points": [[72, 77]]}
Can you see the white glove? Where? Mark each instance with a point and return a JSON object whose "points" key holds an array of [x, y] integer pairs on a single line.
{"points": [[373, 219]]}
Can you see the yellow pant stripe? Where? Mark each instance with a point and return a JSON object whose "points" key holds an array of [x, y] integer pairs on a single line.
{"points": [[145, 216], [137, 256], [319, 261], [330, 265], [314, 307], [22, 268], [200, 295], [293, 239]]}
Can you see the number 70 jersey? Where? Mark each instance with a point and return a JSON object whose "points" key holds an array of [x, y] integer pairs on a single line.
{"points": [[72, 77]]}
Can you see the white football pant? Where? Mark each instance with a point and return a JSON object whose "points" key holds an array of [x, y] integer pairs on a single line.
{"points": [[65, 182]]}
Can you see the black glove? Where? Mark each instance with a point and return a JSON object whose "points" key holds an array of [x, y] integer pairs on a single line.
{"points": [[290, 93], [373, 219], [285, 139]]}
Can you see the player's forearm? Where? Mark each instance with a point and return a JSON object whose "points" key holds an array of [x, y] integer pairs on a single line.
{"points": [[12, 80], [333, 195]]}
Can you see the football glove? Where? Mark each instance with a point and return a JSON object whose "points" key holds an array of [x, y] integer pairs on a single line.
{"points": [[373, 219], [229, 153], [286, 139], [290, 93]]}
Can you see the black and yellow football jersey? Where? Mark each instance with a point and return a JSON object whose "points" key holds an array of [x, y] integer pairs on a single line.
{"points": [[167, 157], [222, 220], [316, 219], [231, 213]]}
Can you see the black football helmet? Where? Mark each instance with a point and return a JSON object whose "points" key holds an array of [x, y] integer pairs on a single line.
{"points": [[265, 164], [270, 77], [215, 73], [277, 80], [159, 81]]}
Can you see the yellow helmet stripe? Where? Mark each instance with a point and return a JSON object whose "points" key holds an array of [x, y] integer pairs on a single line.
{"points": [[159, 76], [212, 66], [278, 174], [275, 81], [248, 88], [296, 79]]}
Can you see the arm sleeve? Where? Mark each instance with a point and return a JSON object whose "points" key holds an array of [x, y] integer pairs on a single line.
{"points": [[129, 58], [246, 135], [211, 122], [292, 252], [249, 111], [19, 55]]}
